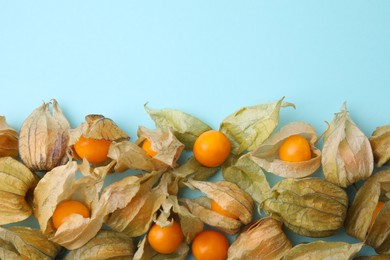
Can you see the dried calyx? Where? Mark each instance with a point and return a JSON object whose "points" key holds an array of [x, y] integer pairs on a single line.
{"points": [[44, 138], [8, 139]]}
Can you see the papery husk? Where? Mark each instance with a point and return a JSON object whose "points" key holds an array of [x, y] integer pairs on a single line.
{"points": [[99, 127], [105, 245], [137, 216], [323, 250], [373, 257], [192, 169], [165, 144], [359, 216], [201, 207], [8, 251], [8, 139], [44, 138], [15, 182], [59, 185], [130, 156], [25, 242], [310, 206], [346, 155], [380, 144], [267, 154], [146, 252], [249, 177], [190, 224], [248, 127], [185, 127], [228, 196], [263, 239]]}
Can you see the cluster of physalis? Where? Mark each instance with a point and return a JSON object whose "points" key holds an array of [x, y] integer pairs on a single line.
{"points": [[57, 174]]}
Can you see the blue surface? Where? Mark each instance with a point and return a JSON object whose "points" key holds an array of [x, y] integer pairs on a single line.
{"points": [[207, 58]]}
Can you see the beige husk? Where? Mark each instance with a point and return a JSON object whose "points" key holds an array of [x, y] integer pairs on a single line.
{"points": [[105, 245], [228, 196], [137, 215], [59, 185], [130, 156], [359, 215], [263, 239], [190, 224], [164, 143], [8, 139], [26, 242], [323, 250], [380, 143], [267, 154], [15, 182], [44, 138], [249, 127], [346, 155]]}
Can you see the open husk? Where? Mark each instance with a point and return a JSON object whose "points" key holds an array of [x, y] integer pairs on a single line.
{"points": [[346, 155], [97, 127], [105, 245], [248, 127], [263, 239], [309, 206], [229, 197], [135, 216], [323, 250], [190, 224], [44, 138], [8, 140], [380, 144], [164, 143], [267, 154], [359, 216], [60, 184], [15, 182], [23, 242], [185, 127]]}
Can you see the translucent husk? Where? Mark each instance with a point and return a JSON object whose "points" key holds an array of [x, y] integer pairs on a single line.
{"points": [[164, 143], [267, 154], [61, 184], [8, 139], [346, 155], [310, 206], [105, 245], [359, 216], [249, 127], [15, 182], [229, 197], [263, 239], [97, 127], [44, 138], [323, 250], [192, 169], [248, 176], [23, 242], [135, 216], [185, 127], [190, 224], [380, 144]]}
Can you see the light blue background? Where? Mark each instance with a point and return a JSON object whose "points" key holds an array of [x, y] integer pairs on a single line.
{"points": [[207, 58]]}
